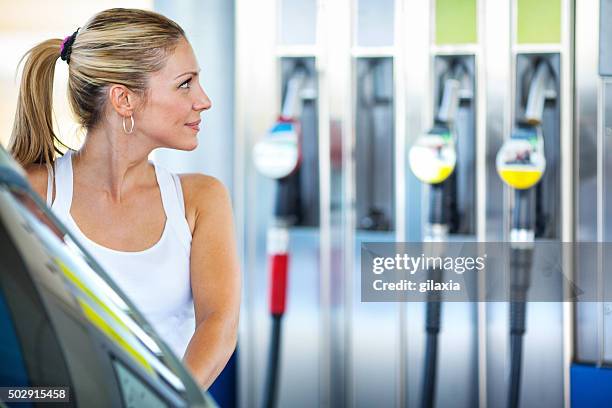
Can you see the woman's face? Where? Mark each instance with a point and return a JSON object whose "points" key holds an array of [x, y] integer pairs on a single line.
{"points": [[171, 116]]}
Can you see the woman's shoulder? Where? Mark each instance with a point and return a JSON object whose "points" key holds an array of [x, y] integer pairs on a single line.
{"points": [[38, 177], [203, 195], [198, 181]]}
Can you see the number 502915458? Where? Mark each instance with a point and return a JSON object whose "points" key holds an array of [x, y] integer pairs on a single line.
{"points": [[33, 394]]}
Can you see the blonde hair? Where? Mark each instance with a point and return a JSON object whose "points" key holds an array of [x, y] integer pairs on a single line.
{"points": [[116, 46]]}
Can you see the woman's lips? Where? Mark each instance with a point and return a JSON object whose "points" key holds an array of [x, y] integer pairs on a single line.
{"points": [[194, 125]]}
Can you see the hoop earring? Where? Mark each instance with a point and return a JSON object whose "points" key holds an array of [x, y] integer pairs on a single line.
{"points": [[131, 128]]}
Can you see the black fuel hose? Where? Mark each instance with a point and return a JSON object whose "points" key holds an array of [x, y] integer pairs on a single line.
{"points": [[438, 215], [432, 329], [521, 260], [271, 382], [517, 314]]}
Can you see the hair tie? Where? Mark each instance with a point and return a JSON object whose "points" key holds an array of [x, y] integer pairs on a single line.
{"points": [[66, 47]]}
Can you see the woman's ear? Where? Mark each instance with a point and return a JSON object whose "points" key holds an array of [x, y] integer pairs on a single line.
{"points": [[122, 100]]}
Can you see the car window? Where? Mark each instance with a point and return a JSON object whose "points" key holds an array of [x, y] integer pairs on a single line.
{"points": [[133, 391], [12, 370]]}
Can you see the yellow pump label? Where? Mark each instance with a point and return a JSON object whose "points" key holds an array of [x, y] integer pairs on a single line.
{"points": [[519, 178], [432, 158], [521, 163], [441, 174]]}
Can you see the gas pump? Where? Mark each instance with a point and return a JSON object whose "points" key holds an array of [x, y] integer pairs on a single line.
{"points": [[374, 151], [278, 156], [433, 160], [521, 164]]}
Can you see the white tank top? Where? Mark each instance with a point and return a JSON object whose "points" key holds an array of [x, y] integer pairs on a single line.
{"points": [[157, 279]]}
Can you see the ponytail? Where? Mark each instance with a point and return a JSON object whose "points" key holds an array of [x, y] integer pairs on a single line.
{"points": [[33, 139]]}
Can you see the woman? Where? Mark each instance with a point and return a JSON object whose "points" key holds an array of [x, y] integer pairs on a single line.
{"points": [[166, 239]]}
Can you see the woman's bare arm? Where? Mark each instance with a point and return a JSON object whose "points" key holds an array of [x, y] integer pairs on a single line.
{"points": [[215, 280]]}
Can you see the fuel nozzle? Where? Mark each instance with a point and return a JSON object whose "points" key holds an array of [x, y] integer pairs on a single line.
{"points": [[276, 155], [433, 156], [521, 164], [520, 161], [432, 160]]}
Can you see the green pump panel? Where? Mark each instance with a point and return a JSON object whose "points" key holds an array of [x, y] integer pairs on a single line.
{"points": [[538, 21], [456, 22]]}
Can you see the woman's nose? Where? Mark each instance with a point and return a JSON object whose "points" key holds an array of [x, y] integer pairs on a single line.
{"points": [[202, 102]]}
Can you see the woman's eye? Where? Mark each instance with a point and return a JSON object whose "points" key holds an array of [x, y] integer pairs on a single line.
{"points": [[186, 84]]}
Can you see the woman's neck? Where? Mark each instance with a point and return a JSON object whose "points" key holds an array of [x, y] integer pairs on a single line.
{"points": [[115, 163]]}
